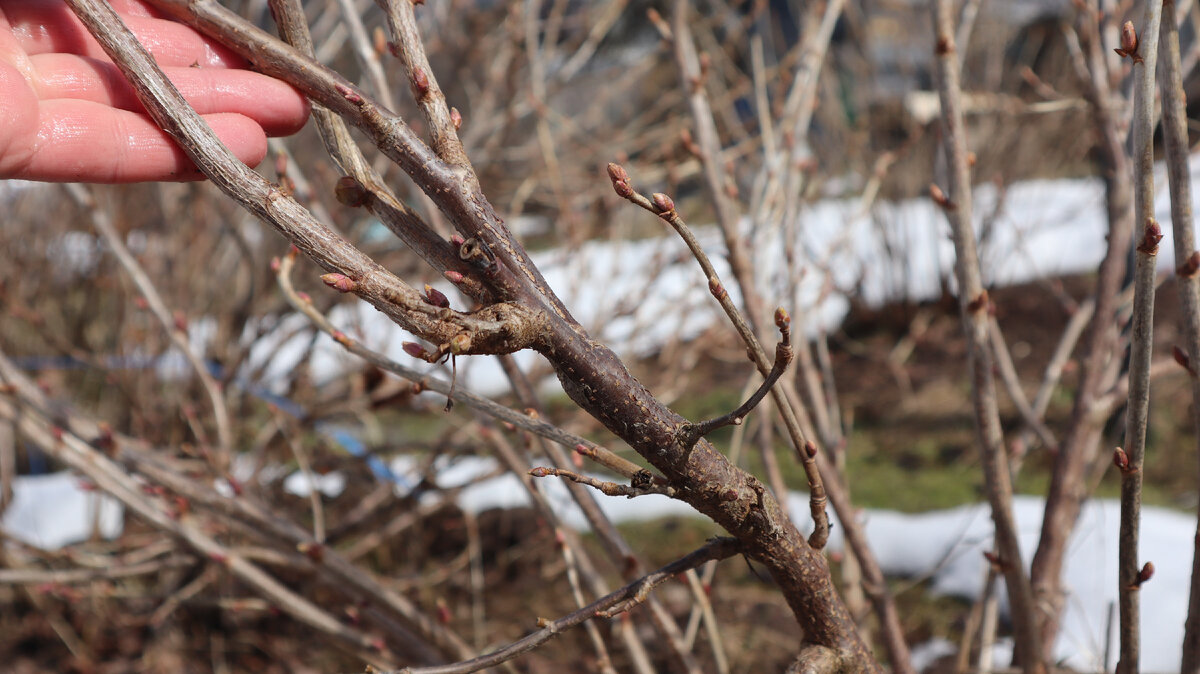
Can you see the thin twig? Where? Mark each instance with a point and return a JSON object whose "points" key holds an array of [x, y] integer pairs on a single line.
{"points": [[1145, 57], [974, 307], [622, 600]]}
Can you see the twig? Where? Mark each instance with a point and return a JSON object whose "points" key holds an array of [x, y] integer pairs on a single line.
{"points": [[664, 207], [609, 488], [974, 306], [622, 600], [1187, 266], [1145, 56], [690, 433]]}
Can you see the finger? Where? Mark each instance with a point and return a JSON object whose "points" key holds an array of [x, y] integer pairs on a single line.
{"points": [[275, 106], [81, 141], [48, 26]]}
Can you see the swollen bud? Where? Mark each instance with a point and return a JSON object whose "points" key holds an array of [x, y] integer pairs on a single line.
{"points": [[1146, 573], [420, 82], [339, 282], [617, 173], [460, 343], [350, 192], [1121, 460], [436, 297], [456, 118], [539, 472], [782, 319], [1129, 43], [662, 202], [413, 349], [715, 287]]}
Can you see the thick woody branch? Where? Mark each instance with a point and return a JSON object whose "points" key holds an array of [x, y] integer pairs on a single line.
{"points": [[499, 328], [423, 381], [501, 261], [363, 186]]}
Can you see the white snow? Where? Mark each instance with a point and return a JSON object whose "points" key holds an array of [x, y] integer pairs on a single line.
{"points": [[50, 511]]}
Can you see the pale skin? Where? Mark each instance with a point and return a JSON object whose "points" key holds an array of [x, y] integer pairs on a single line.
{"points": [[67, 114]]}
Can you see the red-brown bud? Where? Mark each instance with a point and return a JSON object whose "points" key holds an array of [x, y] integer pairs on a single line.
{"points": [[939, 197], [456, 118], [1121, 460], [348, 93], [457, 241], [350, 192], [342, 338], [617, 173], [420, 83], [436, 297], [540, 471], [1190, 266], [715, 287], [623, 189], [454, 276], [1146, 573], [1129, 42], [180, 320], [1182, 358], [314, 551], [1151, 235], [662, 202], [304, 297], [339, 282], [413, 349], [810, 448]]}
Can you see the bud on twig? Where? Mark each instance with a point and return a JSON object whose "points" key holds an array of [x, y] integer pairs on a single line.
{"points": [[540, 471], [415, 350], [662, 202], [810, 448], [436, 297], [460, 343], [420, 83], [620, 180], [939, 197], [1182, 358], [454, 276], [350, 192], [339, 282], [1145, 574], [456, 118], [349, 94], [1151, 235], [1121, 461], [715, 287], [1190, 266], [1129, 43], [782, 320]]}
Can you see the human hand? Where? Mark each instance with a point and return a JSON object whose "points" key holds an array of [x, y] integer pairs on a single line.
{"points": [[67, 114]]}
